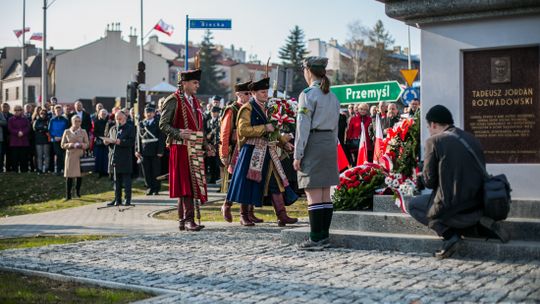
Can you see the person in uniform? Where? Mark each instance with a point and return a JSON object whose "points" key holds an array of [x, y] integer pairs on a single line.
{"points": [[315, 151], [258, 175], [181, 117], [228, 148], [150, 150], [121, 141], [211, 132]]}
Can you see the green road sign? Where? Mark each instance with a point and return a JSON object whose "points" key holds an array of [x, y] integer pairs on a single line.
{"points": [[368, 92]]}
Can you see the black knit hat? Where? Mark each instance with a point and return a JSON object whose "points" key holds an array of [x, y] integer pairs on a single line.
{"points": [[440, 114], [263, 84]]}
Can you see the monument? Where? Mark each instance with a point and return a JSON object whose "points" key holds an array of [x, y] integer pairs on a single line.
{"points": [[481, 60]]}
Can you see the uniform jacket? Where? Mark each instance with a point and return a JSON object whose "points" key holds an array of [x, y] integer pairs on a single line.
{"points": [[121, 155], [150, 131], [455, 177], [72, 165], [316, 111]]}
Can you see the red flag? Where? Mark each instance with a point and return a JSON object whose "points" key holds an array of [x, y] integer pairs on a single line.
{"points": [[343, 162], [362, 148], [164, 27], [18, 33], [378, 150], [37, 36]]}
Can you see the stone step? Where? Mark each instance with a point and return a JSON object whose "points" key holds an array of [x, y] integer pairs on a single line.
{"points": [[520, 208], [386, 222], [472, 248]]}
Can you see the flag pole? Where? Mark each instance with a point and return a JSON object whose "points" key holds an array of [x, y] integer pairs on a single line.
{"points": [[186, 63], [409, 52], [23, 55], [44, 57]]}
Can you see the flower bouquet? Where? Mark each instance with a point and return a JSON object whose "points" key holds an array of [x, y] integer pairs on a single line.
{"points": [[357, 186], [282, 114]]}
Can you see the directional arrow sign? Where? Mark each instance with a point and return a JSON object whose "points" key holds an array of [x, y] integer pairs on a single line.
{"points": [[389, 91]]}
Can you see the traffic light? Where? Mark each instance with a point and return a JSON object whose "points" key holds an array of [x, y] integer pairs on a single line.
{"points": [[131, 96]]}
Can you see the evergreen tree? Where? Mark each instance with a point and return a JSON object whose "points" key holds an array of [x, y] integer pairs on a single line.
{"points": [[210, 78], [292, 54], [379, 62]]}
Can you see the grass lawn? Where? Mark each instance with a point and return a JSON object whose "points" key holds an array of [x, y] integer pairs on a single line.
{"points": [[44, 240], [19, 288], [24, 193], [212, 212]]}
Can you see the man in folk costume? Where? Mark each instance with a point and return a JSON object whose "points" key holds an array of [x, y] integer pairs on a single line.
{"points": [[228, 148], [258, 176], [181, 120]]}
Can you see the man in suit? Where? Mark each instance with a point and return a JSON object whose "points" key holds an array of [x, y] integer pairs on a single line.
{"points": [[121, 141], [150, 150], [86, 120]]}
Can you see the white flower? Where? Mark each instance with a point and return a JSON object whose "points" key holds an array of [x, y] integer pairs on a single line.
{"points": [[397, 176], [395, 183], [388, 181]]}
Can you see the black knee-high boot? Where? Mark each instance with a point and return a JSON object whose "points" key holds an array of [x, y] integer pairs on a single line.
{"points": [[328, 212], [317, 222], [78, 184]]}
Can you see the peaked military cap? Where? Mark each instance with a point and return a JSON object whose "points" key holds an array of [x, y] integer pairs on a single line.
{"points": [[315, 62], [242, 86], [149, 108], [263, 84], [189, 75]]}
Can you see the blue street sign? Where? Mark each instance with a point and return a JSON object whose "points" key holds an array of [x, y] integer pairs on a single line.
{"points": [[215, 24], [409, 94]]}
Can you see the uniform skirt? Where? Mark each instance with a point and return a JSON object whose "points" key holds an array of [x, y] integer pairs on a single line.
{"points": [[319, 165]]}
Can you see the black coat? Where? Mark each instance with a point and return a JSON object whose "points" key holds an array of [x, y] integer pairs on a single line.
{"points": [[86, 122], [100, 126], [121, 155], [152, 148], [455, 177], [41, 127]]}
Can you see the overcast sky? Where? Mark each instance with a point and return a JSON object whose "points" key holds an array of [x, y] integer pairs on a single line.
{"points": [[259, 27]]}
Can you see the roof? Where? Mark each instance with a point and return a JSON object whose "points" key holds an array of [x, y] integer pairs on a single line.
{"points": [[228, 62], [33, 68], [401, 56], [178, 48], [163, 87], [259, 67]]}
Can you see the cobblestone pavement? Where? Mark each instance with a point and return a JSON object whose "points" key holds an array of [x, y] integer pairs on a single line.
{"points": [[250, 265]]}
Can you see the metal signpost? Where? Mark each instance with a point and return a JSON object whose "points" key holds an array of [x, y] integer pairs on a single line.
{"points": [[388, 91], [203, 24]]}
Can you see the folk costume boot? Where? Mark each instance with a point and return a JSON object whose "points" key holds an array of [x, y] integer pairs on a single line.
{"points": [[244, 216], [226, 211], [281, 212], [251, 215], [189, 216], [181, 221]]}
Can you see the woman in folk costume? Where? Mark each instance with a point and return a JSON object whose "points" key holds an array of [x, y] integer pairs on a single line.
{"points": [[181, 120], [315, 151], [258, 175]]}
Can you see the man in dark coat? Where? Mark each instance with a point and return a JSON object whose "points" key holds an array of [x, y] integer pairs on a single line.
{"points": [[150, 150], [121, 141], [455, 205]]}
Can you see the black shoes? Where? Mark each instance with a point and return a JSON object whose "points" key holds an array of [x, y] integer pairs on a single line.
{"points": [[113, 203], [149, 192], [449, 247], [127, 204]]}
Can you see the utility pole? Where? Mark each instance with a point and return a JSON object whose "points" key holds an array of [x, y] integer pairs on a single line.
{"points": [[409, 52], [141, 75], [44, 57], [23, 53]]}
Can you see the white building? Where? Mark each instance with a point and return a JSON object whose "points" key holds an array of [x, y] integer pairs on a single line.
{"points": [[102, 68], [12, 82]]}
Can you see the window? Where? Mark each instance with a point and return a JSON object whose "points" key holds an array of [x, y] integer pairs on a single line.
{"points": [[32, 94], [6, 95], [17, 93]]}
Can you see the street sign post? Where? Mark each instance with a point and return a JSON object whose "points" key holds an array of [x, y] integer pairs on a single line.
{"points": [[388, 91], [203, 24], [409, 94]]}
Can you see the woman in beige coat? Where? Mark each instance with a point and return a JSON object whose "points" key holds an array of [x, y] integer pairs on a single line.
{"points": [[74, 141]]}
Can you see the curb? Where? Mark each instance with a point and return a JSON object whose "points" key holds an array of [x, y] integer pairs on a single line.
{"points": [[108, 284]]}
